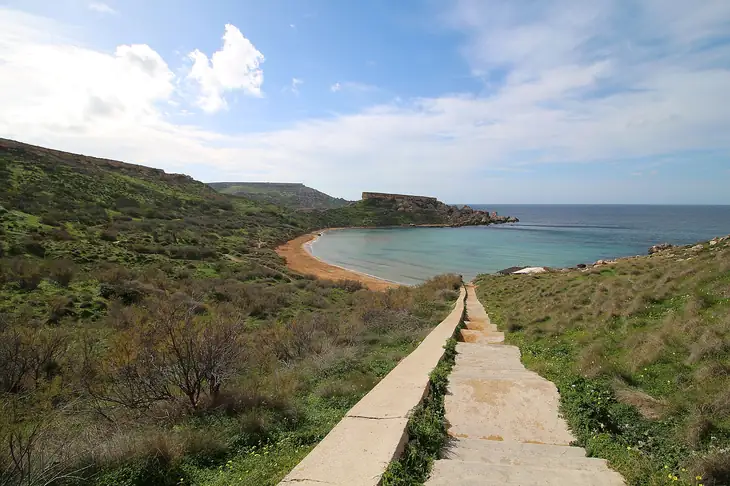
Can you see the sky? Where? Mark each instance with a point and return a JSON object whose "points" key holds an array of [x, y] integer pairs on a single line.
{"points": [[471, 101]]}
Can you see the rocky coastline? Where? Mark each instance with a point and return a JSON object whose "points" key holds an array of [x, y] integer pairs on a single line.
{"points": [[658, 249], [447, 215]]}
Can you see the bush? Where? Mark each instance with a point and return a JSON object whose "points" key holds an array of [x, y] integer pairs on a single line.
{"points": [[109, 235], [62, 272], [25, 273], [35, 248]]}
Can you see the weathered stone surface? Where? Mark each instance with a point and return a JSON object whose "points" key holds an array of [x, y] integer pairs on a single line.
{"points": [[504, 422], [359, 448], [530, 270], [660, 247], [450, 473], [363, 448]]}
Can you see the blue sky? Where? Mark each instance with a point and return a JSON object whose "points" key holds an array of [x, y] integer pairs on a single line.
{"points": [[468, 100]]}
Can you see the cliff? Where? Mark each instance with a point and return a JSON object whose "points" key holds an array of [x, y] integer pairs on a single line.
{"points": [[445, 214], [384, 209]]}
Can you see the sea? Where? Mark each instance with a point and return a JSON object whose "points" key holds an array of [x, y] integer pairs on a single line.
{"points": [[547, 235]]}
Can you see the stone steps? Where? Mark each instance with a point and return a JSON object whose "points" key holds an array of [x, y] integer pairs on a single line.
{"points": [[465, 473], [488, 447], [527, 457], [503, 420]]}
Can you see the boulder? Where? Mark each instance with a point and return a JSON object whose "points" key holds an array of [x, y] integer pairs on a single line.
{"points": [[660, 247], [698, 247], [531, 270], [510, 270]]}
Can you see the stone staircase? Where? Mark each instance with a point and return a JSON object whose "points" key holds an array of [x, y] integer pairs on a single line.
{"points": [[503, 420]]}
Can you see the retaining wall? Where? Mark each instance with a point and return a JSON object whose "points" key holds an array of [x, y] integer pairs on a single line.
{"points": [[358, 450]]}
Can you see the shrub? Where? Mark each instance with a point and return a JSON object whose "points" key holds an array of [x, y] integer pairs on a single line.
{"points": [[62, 272], [25, 273], [173, 356], [35, 248], [59, 307], [109, 234], [349, 285]]}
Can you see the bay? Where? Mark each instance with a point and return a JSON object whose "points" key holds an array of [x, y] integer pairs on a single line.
{"points": [[547, 235]]}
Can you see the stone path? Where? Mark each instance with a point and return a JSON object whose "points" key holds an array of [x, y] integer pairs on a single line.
{"points": [[504, 421]]}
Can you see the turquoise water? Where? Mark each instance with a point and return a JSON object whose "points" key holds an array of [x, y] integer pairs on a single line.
{"points": [[547, 235]]}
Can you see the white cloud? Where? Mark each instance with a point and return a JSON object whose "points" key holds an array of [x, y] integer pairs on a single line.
{"points": [[234, 67], [353, 86], [590, 103], [102, 8], [295, 83]]}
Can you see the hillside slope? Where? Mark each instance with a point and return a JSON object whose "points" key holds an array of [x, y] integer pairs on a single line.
{"points": [[640, 350], [282, 194], [150, 335], [391, 212]]}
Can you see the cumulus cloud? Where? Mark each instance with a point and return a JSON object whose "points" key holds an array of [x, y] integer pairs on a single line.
{"points": [[234, 67], [619, 89], [102, 8]]}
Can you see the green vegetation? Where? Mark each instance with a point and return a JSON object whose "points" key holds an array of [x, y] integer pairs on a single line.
{"points": [[374, 212], [150, 335], [281, 194], [427, 434], [640, 351]]}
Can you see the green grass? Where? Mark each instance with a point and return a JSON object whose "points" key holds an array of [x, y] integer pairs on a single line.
{"points": [[286, 195], [427, 426], [640, 352], [106, 267]]}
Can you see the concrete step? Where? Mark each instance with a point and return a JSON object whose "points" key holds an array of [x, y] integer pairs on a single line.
{"points": [[502, 350], [478, 446], [481, 337], [463, 473], [487, 362], [526, 457], [520, 410], [465, 373], [480, 326]]}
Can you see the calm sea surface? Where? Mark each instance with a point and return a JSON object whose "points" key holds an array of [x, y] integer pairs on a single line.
{"points": [[547, 235]]}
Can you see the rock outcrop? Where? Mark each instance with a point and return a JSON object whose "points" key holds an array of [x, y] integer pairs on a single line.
{"points": [[444, 214], [660, 247]]}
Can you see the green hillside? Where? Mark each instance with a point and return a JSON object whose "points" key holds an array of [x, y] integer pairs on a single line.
{"points": [[150, 335], [282, 194], [384, 212], [640, 351]]}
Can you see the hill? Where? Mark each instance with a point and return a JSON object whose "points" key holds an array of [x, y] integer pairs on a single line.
{"points": [[640, 351], [379, 209], [281, 194], [150, 335]]}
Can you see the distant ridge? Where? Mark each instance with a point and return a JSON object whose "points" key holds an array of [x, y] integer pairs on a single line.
{"points": [[292, 195]]}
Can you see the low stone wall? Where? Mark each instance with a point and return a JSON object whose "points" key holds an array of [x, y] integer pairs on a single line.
{"points": [[358, 450]]}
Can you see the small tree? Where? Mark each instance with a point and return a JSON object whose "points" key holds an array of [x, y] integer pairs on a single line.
{"points": [[171, 354]]}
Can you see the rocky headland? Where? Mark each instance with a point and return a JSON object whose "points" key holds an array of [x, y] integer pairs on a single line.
{"points": [[442, 214]]}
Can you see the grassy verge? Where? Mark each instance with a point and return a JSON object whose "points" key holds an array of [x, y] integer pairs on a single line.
{"points": [[639, 351], [426, 427]]}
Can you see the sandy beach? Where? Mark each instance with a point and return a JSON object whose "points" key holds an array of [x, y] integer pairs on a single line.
{"points": [[300, 260]]}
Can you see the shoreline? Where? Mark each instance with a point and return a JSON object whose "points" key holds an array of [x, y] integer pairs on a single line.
{"points": [[298, 256]]}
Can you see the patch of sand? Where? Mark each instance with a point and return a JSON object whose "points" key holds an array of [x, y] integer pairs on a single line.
{"points": [[300, 260]]}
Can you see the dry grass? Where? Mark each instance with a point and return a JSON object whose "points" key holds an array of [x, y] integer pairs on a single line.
{"points": [[655, 329]]}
